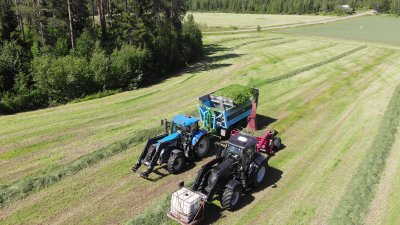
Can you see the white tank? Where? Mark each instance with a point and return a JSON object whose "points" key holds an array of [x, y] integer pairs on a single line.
{"points": [[185, 204]]}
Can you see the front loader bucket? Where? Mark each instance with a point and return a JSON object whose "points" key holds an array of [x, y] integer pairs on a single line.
{"points": [[147, 157]]}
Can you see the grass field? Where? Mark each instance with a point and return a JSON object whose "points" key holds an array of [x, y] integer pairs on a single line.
{"points": [[230, 21], [336, 106], [370, 28]]}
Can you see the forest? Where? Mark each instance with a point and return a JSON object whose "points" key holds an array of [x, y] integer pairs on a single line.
{"points": [[291, 6], [53, 52]]}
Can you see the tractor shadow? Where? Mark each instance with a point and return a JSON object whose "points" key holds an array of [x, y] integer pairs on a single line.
{"points": [[213, 212], [264, 121], [162, 171]]}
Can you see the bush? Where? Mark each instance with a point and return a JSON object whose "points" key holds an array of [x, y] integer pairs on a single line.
{"points": [[64, 78], [12, 61], [61, 48], [127, 67], [192, 38], [29, 100], [85, 44], [100, 66]]}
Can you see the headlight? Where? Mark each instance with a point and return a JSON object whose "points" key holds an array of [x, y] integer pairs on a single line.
{"points": [[223, 132]]}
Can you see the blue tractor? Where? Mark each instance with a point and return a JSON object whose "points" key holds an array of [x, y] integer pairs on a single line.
{"points": [[182, 142]]}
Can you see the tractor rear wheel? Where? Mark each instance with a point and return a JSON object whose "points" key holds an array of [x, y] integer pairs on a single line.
{"points": [[260, 176], [202, 147], [277, 144], [176, 163], [231, 198]]}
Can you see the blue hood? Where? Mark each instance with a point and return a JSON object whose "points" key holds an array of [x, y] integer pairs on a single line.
{"points": [[170, 137]]}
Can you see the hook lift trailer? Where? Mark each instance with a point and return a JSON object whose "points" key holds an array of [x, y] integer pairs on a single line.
{"points": [[239, 168]]}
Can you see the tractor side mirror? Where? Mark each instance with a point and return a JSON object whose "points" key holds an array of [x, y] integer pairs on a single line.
{"points": [[162, 122]]}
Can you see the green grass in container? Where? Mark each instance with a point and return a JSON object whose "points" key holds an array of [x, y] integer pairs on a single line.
{"points": [[238, 93]]}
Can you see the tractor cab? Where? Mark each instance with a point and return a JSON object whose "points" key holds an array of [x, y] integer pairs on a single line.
{"points": [[185, 124], [242, 147]]}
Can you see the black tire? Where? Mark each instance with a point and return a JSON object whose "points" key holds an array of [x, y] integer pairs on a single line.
{"points": [[277, 144], [260, 176], [231, 198], [202, 147], [176, 163]]}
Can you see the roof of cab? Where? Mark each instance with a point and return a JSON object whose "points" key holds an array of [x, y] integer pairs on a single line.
{"points": [[243, 140], [185, 120]]}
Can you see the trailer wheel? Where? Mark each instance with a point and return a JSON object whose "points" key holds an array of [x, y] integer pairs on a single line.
{"points": [[231, 198], [176, 163], [259, 177], [202, 147], [277, 144]]}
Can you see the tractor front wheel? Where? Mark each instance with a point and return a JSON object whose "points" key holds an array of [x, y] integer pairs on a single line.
{"points": [[202, 147], [260, 176], [231, 198], [176, 163]]}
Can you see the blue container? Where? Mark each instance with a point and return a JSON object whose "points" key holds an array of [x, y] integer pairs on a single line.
{"points": [[219, 114]]}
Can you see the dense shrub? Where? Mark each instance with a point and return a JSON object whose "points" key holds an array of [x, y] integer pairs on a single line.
{"points": [[32, 99], [101, 68], [127, 66], [63, 79], [192, 39], [12, 61], [85, 44]]}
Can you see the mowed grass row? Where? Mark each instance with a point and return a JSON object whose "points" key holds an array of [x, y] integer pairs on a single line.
{"points": [[361, 190], [73, 195], [122, 120], [321, 149]]}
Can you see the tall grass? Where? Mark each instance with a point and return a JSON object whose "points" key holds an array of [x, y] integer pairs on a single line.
{"points": [[258, 83], [354, 205], [22, 188]]}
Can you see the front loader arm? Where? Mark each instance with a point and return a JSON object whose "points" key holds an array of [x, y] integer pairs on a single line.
{"points": [[150, 142]]}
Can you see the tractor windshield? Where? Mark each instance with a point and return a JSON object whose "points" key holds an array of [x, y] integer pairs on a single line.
{"points": [[232, 151], [175, 127]]}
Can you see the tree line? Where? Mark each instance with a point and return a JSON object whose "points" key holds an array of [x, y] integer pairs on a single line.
{"points": [[54, 51], [291, 6]]}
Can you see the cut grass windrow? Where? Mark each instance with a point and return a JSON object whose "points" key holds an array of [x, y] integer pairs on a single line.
{"points": [[303, 111], [253, 42], [22, 188], [258, 83], [354, 205]]}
